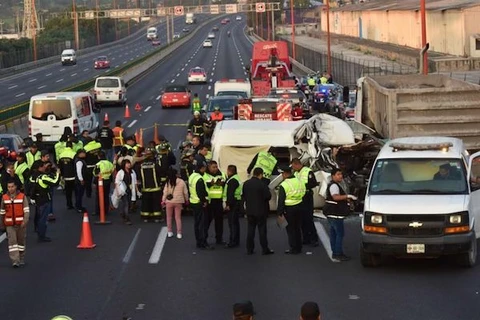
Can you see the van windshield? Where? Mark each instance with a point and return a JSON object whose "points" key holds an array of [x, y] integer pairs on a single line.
{"points": [[419, 176], [107, 83], [61, 109]]}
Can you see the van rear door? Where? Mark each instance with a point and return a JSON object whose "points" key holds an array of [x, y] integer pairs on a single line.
{"points": [[84, 113], [49, 116]]}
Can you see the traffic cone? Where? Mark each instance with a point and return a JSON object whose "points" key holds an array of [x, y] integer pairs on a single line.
{"points": [[138, 107], [127, 112], [105, 118], [86, 241], [155, 133]]}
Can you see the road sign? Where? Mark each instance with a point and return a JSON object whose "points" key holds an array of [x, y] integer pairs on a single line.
{"points": [[178, 10], [260, 7], [161, 12], [231, 8], [214, 9]]}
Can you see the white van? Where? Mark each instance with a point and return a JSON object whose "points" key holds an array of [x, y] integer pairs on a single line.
{"points": [[152, 33], [423, 200], [69, 57], [110, 90], [50, 113]]}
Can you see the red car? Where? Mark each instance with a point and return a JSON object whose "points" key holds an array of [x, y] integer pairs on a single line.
{"points": [[224, 21], [102, 63], [156, 43], [176, 96]]}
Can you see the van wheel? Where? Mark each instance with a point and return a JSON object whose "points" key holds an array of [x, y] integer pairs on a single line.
{"points": [[369, 260], [469, 259]]}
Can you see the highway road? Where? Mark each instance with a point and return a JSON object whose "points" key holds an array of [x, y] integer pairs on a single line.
{"points": [[136, 273], [55, 77]]}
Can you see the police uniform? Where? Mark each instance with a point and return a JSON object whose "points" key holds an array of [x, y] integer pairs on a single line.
{"points": [[336, 212], [196, 105], [151, 186], [32, 157], [309, 231], [198, 201], [22, 171], [104, 168], [232, 196], [290, 195], [197, 126], [43, 198], [264, 160], [92, 149], [215, 206], [311, 82], [15, 212], [66, 164], [59, 147]]}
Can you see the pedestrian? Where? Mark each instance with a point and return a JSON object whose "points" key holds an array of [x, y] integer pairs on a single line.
{"points": [[15, 212], [80, 172], [117, 136], [232, 197], [306, 176], [215, 181], [243, 310], [198, 204], [200, 157], [256, 196], [151, 186], [336, 209], [106, 138], [125, 187], [103, 169], [290, 195], [66, 163], [310, 311], [175, 195]]}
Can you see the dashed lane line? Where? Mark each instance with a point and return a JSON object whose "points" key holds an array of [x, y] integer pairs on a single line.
{"points": [[59, 80], [41, 87], [157, 249], [147, 108], [73, 74], [207, 96], [13, 87], [158, 98], [209, 87], [86, 69], [32, 80], [48, 75], [132, 124], [20, 94], [128, 254]]}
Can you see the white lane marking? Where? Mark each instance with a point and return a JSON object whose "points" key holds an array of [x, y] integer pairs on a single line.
{"points": [[31, 80], [86, 69], [3, 237], [173, 80], [211, 74], [157, 249], [117, 66], [132, 124], [213, 69], [129, 252], [12, 87], [59, 80], [125, 62], [158, 98], [211, 80], [183, 69], [73, 74], [62, 69], [147, 108], [322, 234], [209, 87], [20, 94], [178, 74], [48, 75], [41, 87]]}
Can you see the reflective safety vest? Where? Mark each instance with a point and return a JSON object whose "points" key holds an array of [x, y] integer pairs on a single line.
{"points": [[198, 130], [31, 158], [267, 162], [13, 210], [118, 137], [77, 146], [92, 146], [323, 80], [217, 116], [106, 169], [238, 192], [214, 192], [209, 156], [294, 191], [196, 105], [302, 175], [19, 170], [59, 147], [149, 177], [192, 187], [311, 82]]}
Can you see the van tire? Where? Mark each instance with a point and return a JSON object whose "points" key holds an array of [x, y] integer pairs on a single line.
{"points": [[369, 260], [469, 259]]}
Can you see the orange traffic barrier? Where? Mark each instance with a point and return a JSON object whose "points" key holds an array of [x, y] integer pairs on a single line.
{"points": [[101, 202], [86, 241], [138, 107], [139, 137], [105, 118], [155, 133], [127, 112]]}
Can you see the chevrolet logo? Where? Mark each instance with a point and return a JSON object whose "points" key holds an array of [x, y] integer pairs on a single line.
{"points": [[415, 224]]}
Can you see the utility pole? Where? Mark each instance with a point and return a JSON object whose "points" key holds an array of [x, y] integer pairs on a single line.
{"points": [[424, 36], [1, 26], [329, 49], [292, 21], [98, 22], [75, 25]]}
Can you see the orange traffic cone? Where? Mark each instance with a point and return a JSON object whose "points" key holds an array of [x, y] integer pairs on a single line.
{"points": [[155, 134], [105, 118], [127, 112], [138, 107], [86, 241]]}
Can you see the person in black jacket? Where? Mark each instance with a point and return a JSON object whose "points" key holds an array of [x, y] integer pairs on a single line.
{"points": [[9, 175], [105, 137], [198, 203], [256, 196]]}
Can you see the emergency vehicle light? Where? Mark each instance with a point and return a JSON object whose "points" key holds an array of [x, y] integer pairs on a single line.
{"points": [[442, 146]]}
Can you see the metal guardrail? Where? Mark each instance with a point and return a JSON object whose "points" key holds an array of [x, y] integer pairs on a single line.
{"points": [[21, 109]]}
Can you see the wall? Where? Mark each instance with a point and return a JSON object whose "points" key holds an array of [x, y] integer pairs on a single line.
{"points": [[472, 28]]}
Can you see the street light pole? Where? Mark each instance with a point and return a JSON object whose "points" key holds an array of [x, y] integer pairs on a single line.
{"points": [[424, 36], [75, 25], [98, 22], [329, 49], [292, 21]]}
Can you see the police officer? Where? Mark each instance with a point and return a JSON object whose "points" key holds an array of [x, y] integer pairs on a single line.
{"points": [[198, 204], [186, 166], [32, 155], [324, 78], [311, 82], [80, 174], [266, 161], [290, 195], [22, 170], [305, 174], [151, 186], [61, 144], [104, 168], [215, 181], [92, 148], [196, 104], [106, 138], [66, 163], [197, 125], [232, 196]]}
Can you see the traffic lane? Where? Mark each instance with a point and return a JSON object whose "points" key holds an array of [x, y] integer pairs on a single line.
{"points": [[245, 45], [400, 286]]}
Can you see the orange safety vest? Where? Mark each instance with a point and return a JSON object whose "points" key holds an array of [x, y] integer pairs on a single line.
{"points": [[13, 209], [118, 137], [217, 117]]}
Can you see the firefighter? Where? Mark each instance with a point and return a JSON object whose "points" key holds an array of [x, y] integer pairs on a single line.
{"points": [[92, 148], [232, 196], [165, 160], [266, 161], [151, 185], [198, 204], [217, 115], [22, 170], [197, 125], [215, 181], [15, 212], [104, 168], [117, 136], [66, 163], [290, 195], [162, 139], [187, 167], [32, 155], [196, 104], [311, 82]]}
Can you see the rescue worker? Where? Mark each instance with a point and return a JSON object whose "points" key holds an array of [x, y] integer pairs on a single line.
{"points": [[106, 138], [104, 168], [336, 209], [196, 104], [43, 197], [266, 161], [80, 174], [290, 195], [216, 116], [197, 125], [92, 148], [2, 174], [61, 144], [186, 166], [324, 79], [162, 139], [306, 176], [311, 82], [9, 175], [32, 155], [196, 144], [215, 181], [232, 196], [151, 188], [15, 212], [117, 136], [66, 163], [198, 204], [22, 170]]}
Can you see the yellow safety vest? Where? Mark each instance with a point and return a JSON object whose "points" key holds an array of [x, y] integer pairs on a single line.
{"points": [[192, 183], [196, 104], [267, 162], [238, 192], [31, 158], [294, 191], [19, 170], [302, 175], [106, 169], [311, 82], [59, 147], [214, 192], [323, 80]]}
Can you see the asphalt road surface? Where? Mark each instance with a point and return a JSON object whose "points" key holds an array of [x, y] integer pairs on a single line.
{"points": [[135, 272]]}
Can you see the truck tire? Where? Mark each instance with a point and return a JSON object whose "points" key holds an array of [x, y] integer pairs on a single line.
{"points": [[469, 259], [369, 260]]}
